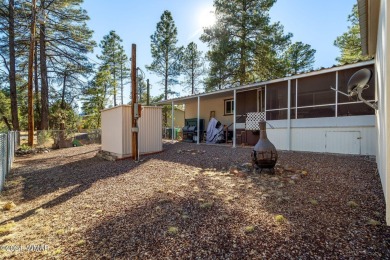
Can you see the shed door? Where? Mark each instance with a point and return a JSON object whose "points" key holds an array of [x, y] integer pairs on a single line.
{"points": [[345, 142]]}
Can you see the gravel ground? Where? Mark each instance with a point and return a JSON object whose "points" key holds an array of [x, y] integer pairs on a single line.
{"points": [[188, 202]]}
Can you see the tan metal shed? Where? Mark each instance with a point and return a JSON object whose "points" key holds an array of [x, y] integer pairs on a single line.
{"points": [[117, 130]]}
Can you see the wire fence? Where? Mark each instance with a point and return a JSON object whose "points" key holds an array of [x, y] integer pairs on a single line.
{"points": [[53, 139], [57, 139], [8, 145]]}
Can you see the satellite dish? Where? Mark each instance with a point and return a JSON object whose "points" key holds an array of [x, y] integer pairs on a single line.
{"points": [[356, 84], [358, 81]]}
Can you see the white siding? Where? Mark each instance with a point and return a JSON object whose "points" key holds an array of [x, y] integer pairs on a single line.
{"points": [[383, 94], [278, 137], [311, 134], [344, 142]]}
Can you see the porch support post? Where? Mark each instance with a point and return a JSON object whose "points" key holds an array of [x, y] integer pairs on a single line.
{"points": [[234, 117], [289, 116], [265, 102], [337, 93], [173, 122], [296, 99], [198, 121]]}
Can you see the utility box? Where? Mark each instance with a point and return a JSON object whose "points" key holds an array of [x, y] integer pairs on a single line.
{"points": [[117, 130]]}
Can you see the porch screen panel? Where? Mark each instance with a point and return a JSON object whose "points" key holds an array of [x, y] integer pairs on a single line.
{"points": [[277, 95], [315, 90], [317, 111], [277, 114], [246, 102], [354, 109], [345, 75]]}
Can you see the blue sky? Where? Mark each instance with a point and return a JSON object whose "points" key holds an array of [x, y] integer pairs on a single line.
{"points": [[315, 22]]}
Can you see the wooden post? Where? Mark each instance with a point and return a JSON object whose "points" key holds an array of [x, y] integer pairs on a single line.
{"points": [[134, 139], [147, 92], [30, 76]]}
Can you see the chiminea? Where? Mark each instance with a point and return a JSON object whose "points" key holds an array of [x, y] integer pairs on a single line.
{"points": [[264, 154]]}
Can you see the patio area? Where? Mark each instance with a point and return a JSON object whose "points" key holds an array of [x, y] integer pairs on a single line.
{"points": [[194, 202]]}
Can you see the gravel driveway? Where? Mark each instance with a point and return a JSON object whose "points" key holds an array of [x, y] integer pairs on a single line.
{"points": [[193, 202]]}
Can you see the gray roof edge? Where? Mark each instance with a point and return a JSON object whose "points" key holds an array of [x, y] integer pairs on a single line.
{"points": [[257, 84]]}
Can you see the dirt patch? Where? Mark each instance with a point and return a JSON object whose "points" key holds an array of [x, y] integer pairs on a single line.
{"points": [[193, 201]]}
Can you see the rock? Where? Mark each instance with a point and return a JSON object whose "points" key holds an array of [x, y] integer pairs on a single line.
{"points": [[241, 175], [352, 204], [247, 166], [265, 195], [233, 170], [106, 156], [295, 177], [9, 205], [236, 172], [280, 219], [249, 229], [373, 222]]}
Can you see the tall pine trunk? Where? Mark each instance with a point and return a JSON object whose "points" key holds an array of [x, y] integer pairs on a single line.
{"points": [[36, 89], [44, 84], [12, 67], [63, 90]]}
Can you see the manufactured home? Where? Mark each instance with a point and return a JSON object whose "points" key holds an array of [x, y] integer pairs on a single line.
{"points": [[305, 112]]}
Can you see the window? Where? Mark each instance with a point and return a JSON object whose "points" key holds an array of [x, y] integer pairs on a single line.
{"points": [[229, 107]]}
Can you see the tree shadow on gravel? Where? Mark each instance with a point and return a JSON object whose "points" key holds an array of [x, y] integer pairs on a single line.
{"points": [[78, 176], [316, 205], [181, 228]]}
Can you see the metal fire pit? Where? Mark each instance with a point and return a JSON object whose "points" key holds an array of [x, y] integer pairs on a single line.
{"points": [[264, 154]]}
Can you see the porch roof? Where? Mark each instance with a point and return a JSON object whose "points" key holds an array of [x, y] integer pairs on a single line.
{"points": [[229, 91]]}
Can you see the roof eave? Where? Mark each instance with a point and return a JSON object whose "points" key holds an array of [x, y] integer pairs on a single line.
{"points": [[369, 21]]}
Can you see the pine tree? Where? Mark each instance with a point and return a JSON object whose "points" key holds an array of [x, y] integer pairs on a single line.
{"points": [[299, 58], [96, 97], [349, 42], [241, 33], [114, 58], [64, 42], [8, 40], [166, 55], [219, 72], [193, 67]]}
